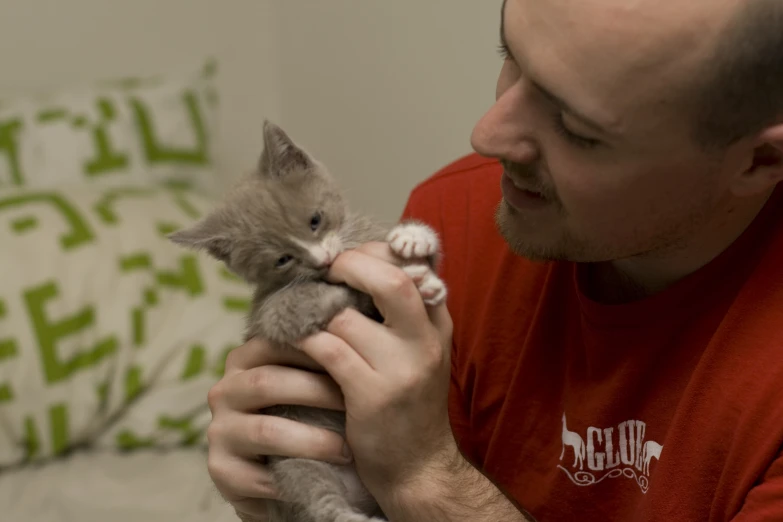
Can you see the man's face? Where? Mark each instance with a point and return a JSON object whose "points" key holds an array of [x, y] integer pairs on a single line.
{"points": [[616, 172]]}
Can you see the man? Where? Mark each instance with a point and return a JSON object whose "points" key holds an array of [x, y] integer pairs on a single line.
{"points": [[616, 350]]}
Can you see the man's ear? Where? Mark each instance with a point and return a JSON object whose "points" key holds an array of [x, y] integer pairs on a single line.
{"points": [[205, 235], [766, 168]]}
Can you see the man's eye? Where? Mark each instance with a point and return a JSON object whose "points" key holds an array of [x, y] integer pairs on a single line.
{"points": [[572, 137], [315, 221], [284, 260]]}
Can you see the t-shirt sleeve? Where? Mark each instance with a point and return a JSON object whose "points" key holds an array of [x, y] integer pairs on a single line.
{"points": [[764, 502]]}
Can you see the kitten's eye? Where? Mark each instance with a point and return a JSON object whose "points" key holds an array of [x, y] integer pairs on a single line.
{"points": [[315, 221], [283, 261]]}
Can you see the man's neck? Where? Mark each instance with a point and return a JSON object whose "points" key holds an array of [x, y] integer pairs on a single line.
{"points": [[635, 278]]}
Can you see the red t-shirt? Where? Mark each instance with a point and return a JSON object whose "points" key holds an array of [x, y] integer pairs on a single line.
{"points": [[668, 408]]}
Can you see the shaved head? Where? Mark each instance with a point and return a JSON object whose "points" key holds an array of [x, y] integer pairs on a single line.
{"points": [[739, 89]]}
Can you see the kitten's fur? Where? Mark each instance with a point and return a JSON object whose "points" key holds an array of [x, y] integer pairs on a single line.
{"points": [[279, 229]]}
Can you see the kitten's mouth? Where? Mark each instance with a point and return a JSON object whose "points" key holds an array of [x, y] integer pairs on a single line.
{"points": [[324, 252]]}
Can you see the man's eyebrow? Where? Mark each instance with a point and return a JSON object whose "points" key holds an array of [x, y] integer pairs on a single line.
{"points": [[547, 93]]}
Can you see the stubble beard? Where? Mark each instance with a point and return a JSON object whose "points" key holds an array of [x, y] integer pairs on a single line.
{"points": [[566, 247], [507, 221]]}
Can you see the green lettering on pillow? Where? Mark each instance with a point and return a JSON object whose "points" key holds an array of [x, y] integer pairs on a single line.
{"points": [[50, 333], [107, 158], [133, 383], [52, 115], [131, 263], [104, 207], [138, 326], [8, 350], [22, 225], [166, 228], [32, 439], [128, 441], [79, 232], [190, 435], [58, 420], [195, 363], [136, 262], [219, 367], [181, 200], [9, 147], [188, 278], [236, 304], [226, 274], [150, 297], [157, 152], [102, 390]]}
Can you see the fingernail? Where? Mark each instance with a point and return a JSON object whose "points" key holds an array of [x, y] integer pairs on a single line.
{"points": [[347, 452]]}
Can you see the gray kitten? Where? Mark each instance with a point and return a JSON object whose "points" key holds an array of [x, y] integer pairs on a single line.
{"points": [[280, 229]]}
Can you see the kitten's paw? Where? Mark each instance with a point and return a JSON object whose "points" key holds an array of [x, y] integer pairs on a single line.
{"points": [[413, 240], [431, 287]]}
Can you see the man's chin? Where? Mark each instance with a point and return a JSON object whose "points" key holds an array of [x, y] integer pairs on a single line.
{"points": [[510, 225]]}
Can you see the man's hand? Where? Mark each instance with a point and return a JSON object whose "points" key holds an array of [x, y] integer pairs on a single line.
{"points": [[394, 376], [395, 380], [257, 376]]}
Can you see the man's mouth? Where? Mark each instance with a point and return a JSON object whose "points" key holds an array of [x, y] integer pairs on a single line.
{"points": [[519, 196], [521, 186]]}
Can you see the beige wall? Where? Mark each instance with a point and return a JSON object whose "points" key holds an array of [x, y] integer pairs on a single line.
{"points": [[387, 92], [384, 92]]}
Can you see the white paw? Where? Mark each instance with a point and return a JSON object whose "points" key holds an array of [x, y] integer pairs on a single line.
{"points": [[431, 287], [413, 240]]}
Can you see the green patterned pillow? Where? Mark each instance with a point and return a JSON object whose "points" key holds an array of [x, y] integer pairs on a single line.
{"points": [[110, 335], [113, 133]]}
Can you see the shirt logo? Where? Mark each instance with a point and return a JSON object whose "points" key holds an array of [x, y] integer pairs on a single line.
{"points": [[609, 453]]}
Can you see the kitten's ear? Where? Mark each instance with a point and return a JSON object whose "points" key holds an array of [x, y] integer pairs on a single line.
{"points": [[204, 235], [281, 155]]}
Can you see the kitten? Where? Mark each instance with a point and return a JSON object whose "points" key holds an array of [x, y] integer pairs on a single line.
{"points": [[280, 229]]}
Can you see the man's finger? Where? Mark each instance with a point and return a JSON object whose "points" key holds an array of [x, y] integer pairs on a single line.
{"points": [[268, 385], [237, 477], [441, 318], [363, 335], [393, 291], [258, 352], [250, 435], [341, 361]]}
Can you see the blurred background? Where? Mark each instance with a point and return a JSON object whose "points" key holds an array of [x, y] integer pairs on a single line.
{"points": [[384, 92], [110, 335]]}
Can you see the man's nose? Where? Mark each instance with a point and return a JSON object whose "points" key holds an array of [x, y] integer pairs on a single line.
{"points": [[505, 131]]}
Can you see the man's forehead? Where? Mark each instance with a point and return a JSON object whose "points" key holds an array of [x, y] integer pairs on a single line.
{"points": [[610, 53]]}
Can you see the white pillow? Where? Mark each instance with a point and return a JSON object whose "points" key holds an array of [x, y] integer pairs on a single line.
{"points": [[113, 133], [109, 333]]}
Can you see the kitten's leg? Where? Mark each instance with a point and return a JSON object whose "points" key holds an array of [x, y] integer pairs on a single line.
{"points": [[431, 287], [415, 240], [301, 310], [317, 490]]}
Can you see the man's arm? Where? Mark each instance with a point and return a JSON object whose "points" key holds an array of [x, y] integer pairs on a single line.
{"points": [[452, 491]]}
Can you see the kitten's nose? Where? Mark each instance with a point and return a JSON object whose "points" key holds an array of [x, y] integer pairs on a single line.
{"points": [[323, 258]]}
